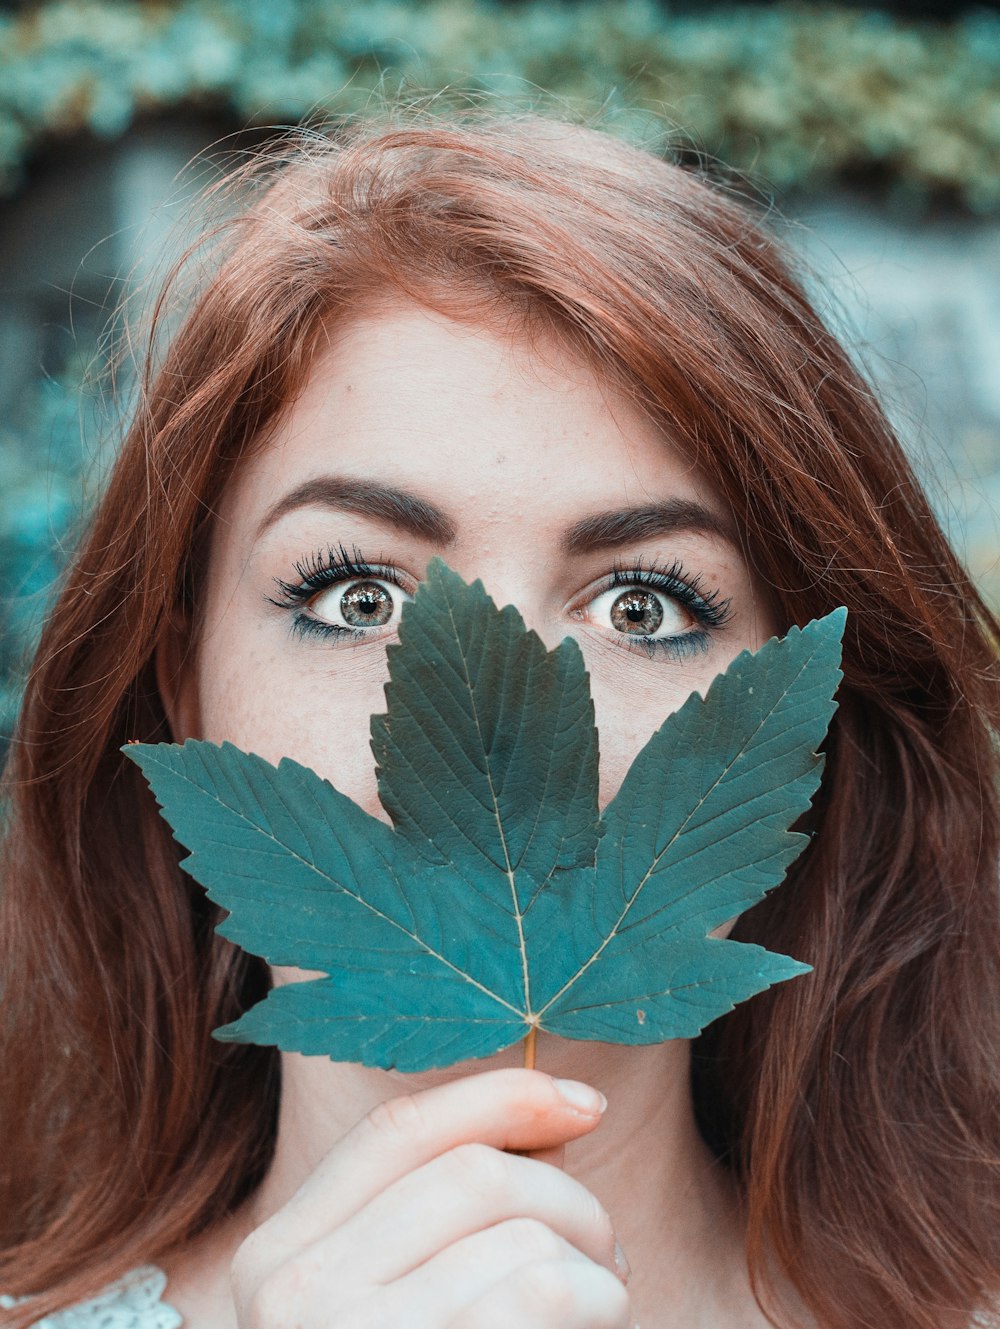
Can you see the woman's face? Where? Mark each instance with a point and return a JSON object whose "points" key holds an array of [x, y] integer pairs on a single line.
{"points": [[417, 436]]}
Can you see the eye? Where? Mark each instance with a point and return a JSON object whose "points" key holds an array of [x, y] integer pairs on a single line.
{"points": [[353, 606], [658, 609], [641, 612], [340, 595]]}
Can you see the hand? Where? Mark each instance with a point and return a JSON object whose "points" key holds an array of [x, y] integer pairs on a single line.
{"points": [[418, 1217]]}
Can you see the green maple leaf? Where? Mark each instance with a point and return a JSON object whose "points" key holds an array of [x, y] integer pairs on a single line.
{"points": [[500, 901]]}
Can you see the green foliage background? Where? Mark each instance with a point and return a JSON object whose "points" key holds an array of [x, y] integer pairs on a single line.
{"points": [[799, 94], [800, 97]]}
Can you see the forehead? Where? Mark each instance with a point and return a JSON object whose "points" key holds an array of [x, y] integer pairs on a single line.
{"points": [[475, 418]]}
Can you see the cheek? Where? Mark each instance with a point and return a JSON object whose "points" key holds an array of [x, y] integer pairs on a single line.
{"points": [[251, 696], [629, 713]]}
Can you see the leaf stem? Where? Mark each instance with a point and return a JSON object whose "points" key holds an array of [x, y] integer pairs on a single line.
{"points": [[529, 1048]]}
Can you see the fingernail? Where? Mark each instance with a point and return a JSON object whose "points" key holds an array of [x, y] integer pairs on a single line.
{"points": [[621, 1263], [582, 1096]]}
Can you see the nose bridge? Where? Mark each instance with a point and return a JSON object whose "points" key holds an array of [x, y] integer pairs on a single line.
{"points": [[521, 576]]}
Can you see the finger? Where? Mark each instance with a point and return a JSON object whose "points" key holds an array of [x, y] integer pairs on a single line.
{"points": [[463, 1191], [555, 1156], [508, 1109], [550, 1294], [460, 1275]]}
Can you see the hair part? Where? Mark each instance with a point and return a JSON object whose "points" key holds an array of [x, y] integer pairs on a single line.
{"points": [[858, 1107]]}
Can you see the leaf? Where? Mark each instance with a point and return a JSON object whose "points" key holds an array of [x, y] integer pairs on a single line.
{"points": [[741, 768], [488, 756], [313, 881], [500, 902]]}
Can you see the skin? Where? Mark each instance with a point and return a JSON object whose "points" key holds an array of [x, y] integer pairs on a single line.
{"points": [[396, 1199]]}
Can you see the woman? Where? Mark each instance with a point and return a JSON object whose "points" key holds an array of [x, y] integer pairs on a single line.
{"points": [[582, 374]]}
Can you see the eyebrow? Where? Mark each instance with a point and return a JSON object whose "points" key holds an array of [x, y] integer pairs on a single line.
{"points": [[395, 507], [426, 521]]}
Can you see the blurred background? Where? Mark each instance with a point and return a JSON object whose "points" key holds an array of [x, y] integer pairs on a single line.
{"points": [[872, 134]]}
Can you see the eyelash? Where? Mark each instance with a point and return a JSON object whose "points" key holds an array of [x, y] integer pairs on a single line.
{"points": [[327, 567]]}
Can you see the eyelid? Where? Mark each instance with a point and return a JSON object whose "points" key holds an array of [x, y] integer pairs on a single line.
{"points": [[333, 566]]}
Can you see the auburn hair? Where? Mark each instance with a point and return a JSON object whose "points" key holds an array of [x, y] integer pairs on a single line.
{"points": [[858, 1107]]}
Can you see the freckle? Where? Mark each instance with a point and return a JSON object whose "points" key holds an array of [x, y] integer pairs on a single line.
{"points": [[500, 458]]}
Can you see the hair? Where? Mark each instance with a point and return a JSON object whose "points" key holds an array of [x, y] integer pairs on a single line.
{"points": [[858, 1108]]}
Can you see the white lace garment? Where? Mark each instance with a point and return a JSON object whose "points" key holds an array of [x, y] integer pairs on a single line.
{"points": [[131, 1303]]}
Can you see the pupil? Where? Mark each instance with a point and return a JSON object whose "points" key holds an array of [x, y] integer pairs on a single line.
{"points": [[637, 612], [366, 605]]}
